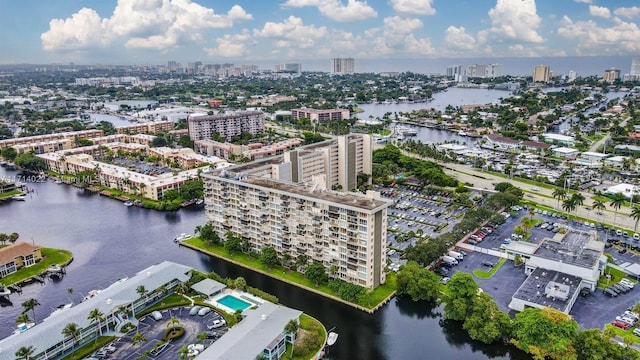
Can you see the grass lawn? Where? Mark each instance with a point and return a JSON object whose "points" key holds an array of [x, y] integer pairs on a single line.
{"points": [[623, 333], [51, 257], [616, 276], [9, 194], [89, 348], [378, 295], [484, 274], [314, 328]]}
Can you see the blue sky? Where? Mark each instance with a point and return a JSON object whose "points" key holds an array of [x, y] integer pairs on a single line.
{"points": [[154, 31]]}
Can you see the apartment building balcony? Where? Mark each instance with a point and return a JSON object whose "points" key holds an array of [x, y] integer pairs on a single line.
{"points": [[244, 221], [262, 196]]}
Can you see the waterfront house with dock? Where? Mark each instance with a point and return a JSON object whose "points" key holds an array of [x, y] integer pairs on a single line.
{"points": [[17, 256]]}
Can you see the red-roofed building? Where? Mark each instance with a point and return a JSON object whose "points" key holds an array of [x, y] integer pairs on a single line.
{"points": [[17, 256]]}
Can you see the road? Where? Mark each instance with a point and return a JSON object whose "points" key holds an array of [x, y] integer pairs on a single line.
{"points": [[540, 195], [596, 145]]}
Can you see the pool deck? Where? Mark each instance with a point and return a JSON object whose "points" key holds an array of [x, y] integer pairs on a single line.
{"points": [[241, 295]]}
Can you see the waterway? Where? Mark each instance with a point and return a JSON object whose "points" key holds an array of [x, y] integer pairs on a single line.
{"points": [[110, 241]]}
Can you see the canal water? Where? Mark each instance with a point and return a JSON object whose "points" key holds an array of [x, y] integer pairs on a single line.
{"points": [[110, 241]]}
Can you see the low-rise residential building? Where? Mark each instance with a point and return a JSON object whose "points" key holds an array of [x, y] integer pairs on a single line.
{"points": [[502, 143], [72, 135], [252, 151], [186, 158], [592, 159], [153, 127], [565, 152], [316, 115], [616, 161], [202, 126], [45, 146], [560, 139], [7, 185], [17, 256]]}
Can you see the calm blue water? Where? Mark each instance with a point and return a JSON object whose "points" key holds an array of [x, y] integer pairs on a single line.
{"points": [[233, 302]]}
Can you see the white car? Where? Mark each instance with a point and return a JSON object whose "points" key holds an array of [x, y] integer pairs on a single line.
{"points": [[216, 324], [204, 311]]}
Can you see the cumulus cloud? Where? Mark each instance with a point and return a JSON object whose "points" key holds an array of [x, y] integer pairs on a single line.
{"points": [[232, 45], [515, 21], [621, 37], [458, 39], [413, 7], [396, 37], [154, 24], [292, 32], [334, 9], [628, 12], [599, 11], [584, 1]]}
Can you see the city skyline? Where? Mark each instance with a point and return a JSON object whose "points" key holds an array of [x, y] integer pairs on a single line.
{"points": [[129, 31]]}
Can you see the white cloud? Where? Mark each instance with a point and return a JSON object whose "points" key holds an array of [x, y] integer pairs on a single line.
{"points": [[413, 7], [334, 9], [154, 24], [231, 45], [515, 21], [591, 39], [395, 38], [599, 11], [584, 1], [291, 33], [520, 50], [457, 38], [628, 12]]}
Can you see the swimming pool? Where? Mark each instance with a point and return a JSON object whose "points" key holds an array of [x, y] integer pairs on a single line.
{"points": [[233, 302]]}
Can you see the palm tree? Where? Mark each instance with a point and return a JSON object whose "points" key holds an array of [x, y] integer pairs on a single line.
{"points": [[292, 328], [13, 237], [184, 352], [201, 337], [577, 199], [173, 322], [559, 194], [616, 202], [182, 288], [635, 214], [95, 315], [23, 318], [71, 330], [30, 305], [568, 205], [138, 339], [3, 238], [142, 291], [25, 353], [599, 206]]}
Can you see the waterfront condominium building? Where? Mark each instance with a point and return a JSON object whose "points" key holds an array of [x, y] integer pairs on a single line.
{"points": [[343, 66], [284, 202], [541, 73], [293, 68], [635, 66], [454, 70], [320, 115], [203, 126], [610, 76]]}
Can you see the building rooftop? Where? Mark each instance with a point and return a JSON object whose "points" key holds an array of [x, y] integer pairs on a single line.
{"points": [[9, 253], [253, 334], [208, 287], [549, 288], [575, 247], [48, 332]]}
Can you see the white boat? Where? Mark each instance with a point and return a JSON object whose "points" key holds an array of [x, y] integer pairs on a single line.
{"points": [[182, 237], [19, 197], [332, 338], [59, 309], [462, 133], [407, 131], [4, 291], [91, 294], [58, 181], [22, 327], [54, 269], [128, 203]]}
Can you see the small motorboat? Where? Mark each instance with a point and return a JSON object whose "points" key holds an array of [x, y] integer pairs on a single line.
{"points": [[55, 269], [182, 237], [332, 338], [19, 197], [128, 203], [22, 327]]}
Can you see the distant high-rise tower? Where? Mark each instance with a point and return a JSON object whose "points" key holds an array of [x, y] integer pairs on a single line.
{"points": [[343, 66], [541, 73], [454, 70], [572, 75], [635, 66], [610, 76]]}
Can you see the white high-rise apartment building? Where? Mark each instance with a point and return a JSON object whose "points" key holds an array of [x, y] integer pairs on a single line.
{"points": [[454, 70], [635, 66], [203, 126], [283, 202], [343, 66], [610, 76]]}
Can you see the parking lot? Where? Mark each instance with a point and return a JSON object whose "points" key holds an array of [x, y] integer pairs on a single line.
{"points": [[152, 330]]}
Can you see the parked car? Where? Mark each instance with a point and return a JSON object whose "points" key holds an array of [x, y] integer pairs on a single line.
{"points": [[620, 324], [445, 280], [609, 292], [194, 310], [156, 315], [204, 311], [636, 331], [218, 323], [487, 263]]}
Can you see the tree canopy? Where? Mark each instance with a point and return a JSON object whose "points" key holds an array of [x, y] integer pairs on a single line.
{"points": [[462, 292], [417, 282], [545, 333]]}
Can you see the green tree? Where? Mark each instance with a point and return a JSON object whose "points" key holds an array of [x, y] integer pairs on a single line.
{"points": [[240, 283], [635, 214], [545, 333], [97, 316], [292, 328], [138, 339], [232, 243], [23, 318], [25, 352], [269, 257], [72, 330], [559, 194], [316, 273], [207, 233], [417, 282], [9, 153], [183, 352], [142, 291], [486, 323], [616, 202], [593, 344], [462, 292], [30, 162], [503, 186], [30, 305], [173, 322], [569, 205], [598, 206]]}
